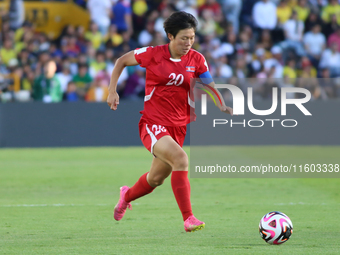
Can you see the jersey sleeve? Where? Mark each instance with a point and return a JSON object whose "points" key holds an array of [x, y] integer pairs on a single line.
{"points": [[202, 65], [143, 55], [203, 70]]}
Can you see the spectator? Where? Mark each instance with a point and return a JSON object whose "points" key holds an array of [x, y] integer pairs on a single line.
{"points": [[302, 10], [7, 52], [71, 92], [331, 27], [68, 31], [160, 20], [335, 38], [15, 74], [127, 45], [54, 51], [98, 64], [287, 83], [232, 9], [328, 84], [100, 12], [293, 30], [315, 43], [46, 87], [318, 4], [135, 84], [289, 71], [244, 44], [109, 55], [333, 8], [44, 43], [98, 92], [264, 15], [82, 80], [139, 9], [270, 83], [16, 13], [81, 60], [274, 62], [224, 49], [122, 78], [265, 40], [145, 37], [81, 40], [213, 6], [28, 80], [311, 21], [94, 36], [307, 68], [113, 38], [189, 7], [72, 49], [223, 70], [246, 16], [64, 76], [308, 81], [25, 31], [283, 12], [158, 39], [331, 59], [207, 23], [122, 17], [241, 71], [257, 64]]}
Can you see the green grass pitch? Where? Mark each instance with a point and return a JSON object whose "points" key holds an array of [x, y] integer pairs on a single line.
{"points": [[60, 201]]}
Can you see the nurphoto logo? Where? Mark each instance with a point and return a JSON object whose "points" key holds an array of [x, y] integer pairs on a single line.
{"points": [[239, 104]]}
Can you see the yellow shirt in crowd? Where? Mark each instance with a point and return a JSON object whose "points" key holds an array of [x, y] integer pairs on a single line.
{"points": [[302, 12], [283, 13], [7, 55], [330, 10], [290, 73], [94, 38]]}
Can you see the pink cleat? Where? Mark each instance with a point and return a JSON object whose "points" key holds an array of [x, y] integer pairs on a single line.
{"points": [[121, 206], [192, 224]]}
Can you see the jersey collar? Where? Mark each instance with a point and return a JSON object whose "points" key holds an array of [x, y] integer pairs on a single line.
{"points": [[168, 55]]}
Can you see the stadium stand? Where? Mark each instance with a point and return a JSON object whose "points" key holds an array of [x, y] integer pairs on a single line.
{"points": [[299, 39]]}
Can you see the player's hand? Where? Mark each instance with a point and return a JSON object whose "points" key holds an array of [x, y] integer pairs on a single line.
{"points": [[226, 109], [113, 100]]}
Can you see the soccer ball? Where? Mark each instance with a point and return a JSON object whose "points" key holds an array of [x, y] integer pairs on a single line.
{"points": [[275, 227]]}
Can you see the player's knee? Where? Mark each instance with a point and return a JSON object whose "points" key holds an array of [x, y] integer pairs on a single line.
{"points": [[181, 161], [156, 181]]}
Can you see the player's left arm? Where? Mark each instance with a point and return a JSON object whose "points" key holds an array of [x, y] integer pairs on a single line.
{"points": [[222, 106], [209, 86]]}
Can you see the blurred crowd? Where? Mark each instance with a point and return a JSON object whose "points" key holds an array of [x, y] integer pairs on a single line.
{"points": [[251, 43]]}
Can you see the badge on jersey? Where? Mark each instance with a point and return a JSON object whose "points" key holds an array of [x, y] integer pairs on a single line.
{"points": [[190, 69]]}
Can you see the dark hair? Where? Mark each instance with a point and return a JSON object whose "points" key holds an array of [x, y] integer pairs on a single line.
{"points": [[179, 21]]}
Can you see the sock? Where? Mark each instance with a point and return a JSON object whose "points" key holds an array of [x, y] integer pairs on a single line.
{"points": [[181, 188], [141, 188]]}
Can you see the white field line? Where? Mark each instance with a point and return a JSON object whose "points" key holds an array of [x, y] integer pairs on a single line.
{"points": [[55, 205], [300, 203]]}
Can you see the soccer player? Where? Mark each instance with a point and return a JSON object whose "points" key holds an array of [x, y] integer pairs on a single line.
{"points": [[167, 105]]}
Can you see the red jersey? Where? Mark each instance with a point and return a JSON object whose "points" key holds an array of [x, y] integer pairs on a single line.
{"points": [[167, 90]]}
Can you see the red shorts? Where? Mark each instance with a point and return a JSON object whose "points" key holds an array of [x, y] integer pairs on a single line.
{"points": [[150, 133]]}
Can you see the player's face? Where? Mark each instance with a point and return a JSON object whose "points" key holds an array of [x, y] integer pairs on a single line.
{"points": [[183, 41]]}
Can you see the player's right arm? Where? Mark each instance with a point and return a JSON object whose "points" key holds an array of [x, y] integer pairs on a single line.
{"points": [[127, 59]]}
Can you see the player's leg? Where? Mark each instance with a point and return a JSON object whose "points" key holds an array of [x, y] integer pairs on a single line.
{"points": [[159, 171], [169, 151]]}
